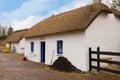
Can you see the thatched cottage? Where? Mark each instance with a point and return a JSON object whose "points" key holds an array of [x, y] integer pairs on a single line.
{"points": [[16, 40], [70, 34]]}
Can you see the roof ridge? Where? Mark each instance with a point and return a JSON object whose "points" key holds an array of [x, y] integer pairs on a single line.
{"points": [[21, 30], [77, 19]]}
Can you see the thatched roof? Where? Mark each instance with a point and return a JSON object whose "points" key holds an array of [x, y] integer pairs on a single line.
{"points": [[16, 36], [116, 12], [78, 19]]}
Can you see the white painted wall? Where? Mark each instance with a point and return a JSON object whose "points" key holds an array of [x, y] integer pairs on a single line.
{"points": [[73, 48], [22, 46], [16, 45], [105, 33], [7, 44], [33, 56]]}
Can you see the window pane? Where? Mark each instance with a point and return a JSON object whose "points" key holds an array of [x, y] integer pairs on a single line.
{"points": [[32, 46], [60, 47]]}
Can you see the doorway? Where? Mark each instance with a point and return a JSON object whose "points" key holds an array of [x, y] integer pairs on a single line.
{"points": [[43, 52]]}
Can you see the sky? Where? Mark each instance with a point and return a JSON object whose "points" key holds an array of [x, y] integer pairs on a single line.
{"points": [[21, 14]]}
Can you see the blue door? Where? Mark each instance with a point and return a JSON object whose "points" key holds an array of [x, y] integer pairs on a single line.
{"points": [[43, 52]]}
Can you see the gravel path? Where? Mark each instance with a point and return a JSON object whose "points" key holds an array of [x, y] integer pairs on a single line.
{"points": [[12, 67]]}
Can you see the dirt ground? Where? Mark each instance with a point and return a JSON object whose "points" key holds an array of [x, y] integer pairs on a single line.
{"points": [[12, 67]]}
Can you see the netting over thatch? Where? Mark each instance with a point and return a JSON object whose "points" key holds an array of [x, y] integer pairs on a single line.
{"points": [[78, 19], [62, 64]]}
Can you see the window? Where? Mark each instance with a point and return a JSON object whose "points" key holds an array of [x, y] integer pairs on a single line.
{"points": [[32, 46], [60, 47]]}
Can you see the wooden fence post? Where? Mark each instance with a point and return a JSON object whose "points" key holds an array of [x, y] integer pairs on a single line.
{"points": [[90, 63], [98, 59]]}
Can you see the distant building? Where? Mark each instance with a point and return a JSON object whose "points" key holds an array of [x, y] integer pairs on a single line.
{"points": [[17, 41]]}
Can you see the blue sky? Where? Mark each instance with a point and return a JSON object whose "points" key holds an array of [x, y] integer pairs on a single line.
{"points": [[22, 14], [7, 6]]}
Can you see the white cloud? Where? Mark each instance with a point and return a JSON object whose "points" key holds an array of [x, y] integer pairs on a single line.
{"points": [[31, 7], [75, 4], [27, 23], [34, 11]]}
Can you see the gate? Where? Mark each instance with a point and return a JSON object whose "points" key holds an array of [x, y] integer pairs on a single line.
{"points": [[99, 60]]}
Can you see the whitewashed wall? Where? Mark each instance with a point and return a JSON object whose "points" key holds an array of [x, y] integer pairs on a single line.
{"points": [[105, 33], [22, 46], [16, 45], [7, 44], [33, 56], [73, 48]]}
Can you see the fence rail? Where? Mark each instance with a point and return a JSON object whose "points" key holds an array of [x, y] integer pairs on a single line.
{"points": [[99, 60]]}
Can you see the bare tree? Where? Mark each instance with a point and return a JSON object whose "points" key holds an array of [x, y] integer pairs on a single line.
{"points": [[116, 4], [4, 30]]}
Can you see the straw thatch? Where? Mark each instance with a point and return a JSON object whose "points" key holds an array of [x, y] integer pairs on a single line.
{"points": [[78, 19], [16, 36], [115, 12]]}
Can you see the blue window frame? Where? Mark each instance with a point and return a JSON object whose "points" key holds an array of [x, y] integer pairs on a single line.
{"points": [[60, 47], [32, 46]]}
